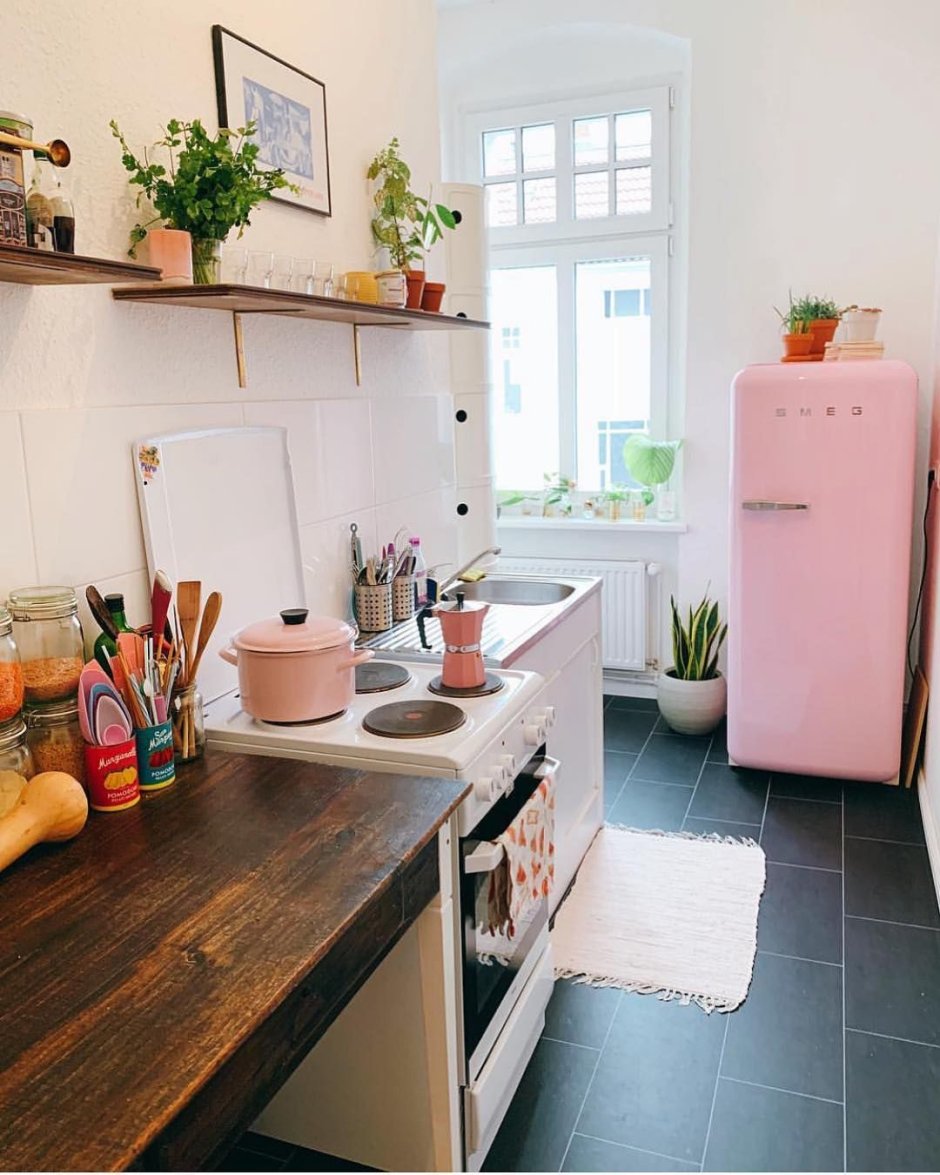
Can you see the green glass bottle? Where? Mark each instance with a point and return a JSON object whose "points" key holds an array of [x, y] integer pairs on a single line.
{"points": [[104, 646]]}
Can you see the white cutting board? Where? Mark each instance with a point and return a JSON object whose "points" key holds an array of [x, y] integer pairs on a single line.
{"points": [[217, 505]]}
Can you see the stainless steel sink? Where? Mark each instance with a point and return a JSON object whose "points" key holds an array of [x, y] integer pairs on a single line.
{"points": [[496, 590]]}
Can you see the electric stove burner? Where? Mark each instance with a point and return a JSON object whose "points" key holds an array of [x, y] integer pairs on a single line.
{"points": [[491, 685], [377, 676], [419, 719], [303, 722]]}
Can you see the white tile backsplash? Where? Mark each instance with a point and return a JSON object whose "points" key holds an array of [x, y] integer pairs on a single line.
{"points": [[413, 445], [325, 547], [17, 555], [431, 516]]}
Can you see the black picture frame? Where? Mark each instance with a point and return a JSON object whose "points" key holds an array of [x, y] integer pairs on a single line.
{"points": [[289, 107]]}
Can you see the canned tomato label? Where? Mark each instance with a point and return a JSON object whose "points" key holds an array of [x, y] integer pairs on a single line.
{"points": [[111, 776], [155, 760]]}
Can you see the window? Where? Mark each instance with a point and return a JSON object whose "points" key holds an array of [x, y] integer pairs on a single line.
{"points": [[577, 202]]}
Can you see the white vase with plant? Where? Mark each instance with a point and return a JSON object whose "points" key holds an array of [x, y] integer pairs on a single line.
{"points": [[651, 463], [692, 695]]}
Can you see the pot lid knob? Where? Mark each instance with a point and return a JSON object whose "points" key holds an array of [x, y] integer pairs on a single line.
{"points": [[295, 615]]}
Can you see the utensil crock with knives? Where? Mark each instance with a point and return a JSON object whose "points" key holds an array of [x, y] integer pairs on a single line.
{"points": [[296, 668]]}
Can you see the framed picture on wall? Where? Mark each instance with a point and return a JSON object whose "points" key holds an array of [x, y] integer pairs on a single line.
{"points": [[288, 107]]}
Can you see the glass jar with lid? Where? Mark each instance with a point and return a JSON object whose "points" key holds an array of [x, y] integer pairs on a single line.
{"points": [[49, 636], [55, 738], [14, 751], [11, 672]]}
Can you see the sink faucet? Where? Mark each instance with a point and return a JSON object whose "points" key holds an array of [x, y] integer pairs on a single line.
{"points": [[466, 567]]}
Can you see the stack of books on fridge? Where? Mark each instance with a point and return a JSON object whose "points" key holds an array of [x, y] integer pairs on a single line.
{"points": [[870, 349]]}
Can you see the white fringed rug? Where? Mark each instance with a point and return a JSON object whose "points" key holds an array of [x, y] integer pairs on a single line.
{"points": [[665, 913]]}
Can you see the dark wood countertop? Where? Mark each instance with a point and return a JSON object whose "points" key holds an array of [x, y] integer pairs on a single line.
{"points": [[162, 974]]}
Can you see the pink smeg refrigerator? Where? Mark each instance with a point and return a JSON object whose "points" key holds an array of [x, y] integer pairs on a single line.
{"points": [[822, 480]]}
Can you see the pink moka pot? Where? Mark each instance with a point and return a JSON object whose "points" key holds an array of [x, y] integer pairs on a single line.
{"points": [[462, 628]]}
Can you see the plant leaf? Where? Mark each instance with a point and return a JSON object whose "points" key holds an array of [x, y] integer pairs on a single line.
{"points": [[651, 462]]}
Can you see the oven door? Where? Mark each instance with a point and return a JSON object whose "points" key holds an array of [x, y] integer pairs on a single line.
{"points": [[495, 967]]}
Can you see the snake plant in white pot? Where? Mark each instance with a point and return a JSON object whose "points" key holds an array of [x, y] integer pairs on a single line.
{"points": [[692, 695]]}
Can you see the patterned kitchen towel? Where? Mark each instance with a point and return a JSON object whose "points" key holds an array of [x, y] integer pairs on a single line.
{"points": [[527, 870]]}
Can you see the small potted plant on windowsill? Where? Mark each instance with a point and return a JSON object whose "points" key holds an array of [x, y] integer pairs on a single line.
{"points": [[692, 695], [613, 499], [652, 463], [212, 186], [557, 493], [797, 340]]}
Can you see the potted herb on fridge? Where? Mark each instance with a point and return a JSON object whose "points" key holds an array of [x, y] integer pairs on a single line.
{"points": [[797, 340], [821, 316], [212, 186], [407, 225], [692, 695], [651, 463]]}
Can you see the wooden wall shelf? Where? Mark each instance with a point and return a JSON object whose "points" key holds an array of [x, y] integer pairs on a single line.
{"points": [[35, 267]]}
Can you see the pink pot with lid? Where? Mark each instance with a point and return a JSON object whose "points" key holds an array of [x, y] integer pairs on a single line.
{"points": [[296, 667]]}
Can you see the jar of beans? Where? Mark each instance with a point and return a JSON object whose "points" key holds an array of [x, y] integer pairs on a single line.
{"points": [[49, 636], [14, 750], [11, 672], [55, 739]]}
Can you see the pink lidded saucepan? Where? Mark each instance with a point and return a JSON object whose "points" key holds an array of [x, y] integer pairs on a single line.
{"points": [[296, 667]]}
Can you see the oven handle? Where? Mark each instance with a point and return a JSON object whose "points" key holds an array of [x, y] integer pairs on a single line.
{"points": [[484, 858], [548, 768]]}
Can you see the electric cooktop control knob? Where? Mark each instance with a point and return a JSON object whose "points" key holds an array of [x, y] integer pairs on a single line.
{"points": [[534, 733], [485, 788], [507, 765], [548, 714]]}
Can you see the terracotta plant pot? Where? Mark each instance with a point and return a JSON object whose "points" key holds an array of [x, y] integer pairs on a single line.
{"points": [[415, 279], [797, 346], [432, 297], [171, 251], [821, 330]]}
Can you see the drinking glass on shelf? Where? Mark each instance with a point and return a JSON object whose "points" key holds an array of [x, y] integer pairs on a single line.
{"points": [[283, 271], [323, 283], [260, 267], [234, 264], [339, 287], [302, 279]]}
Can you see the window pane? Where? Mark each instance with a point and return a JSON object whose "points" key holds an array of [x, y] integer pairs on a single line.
{"points": [[591, 194], [634, 190], [538, 199], [633, 135], [612, 359], [499, 153], [538, 147], [591, 140], [524, 348], [502, 204]]}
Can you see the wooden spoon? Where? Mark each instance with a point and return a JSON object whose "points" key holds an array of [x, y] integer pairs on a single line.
{"points": [[210, 618], [51, 807], [100, 611], [188, 597]]}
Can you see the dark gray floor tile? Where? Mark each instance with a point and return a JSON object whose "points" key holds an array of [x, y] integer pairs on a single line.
{"points": [[643, 804], [883, 813], [806, 787], [718, 751], [892, 980], [893, 1106], [264, 1145], [580, 1014], [890, 881], [756, 1129], [593, 1154], [701, 826], [801, 913], [647, 704], [799, 833], [617, 766], [307, 1160], [240, 1159], [788, 1033], [656, 1077], [627, 730], [671, 758], [541, 1116], [728, 793]]}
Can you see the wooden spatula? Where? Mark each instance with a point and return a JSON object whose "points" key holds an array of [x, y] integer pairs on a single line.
{"points": [[188, 598], [210, 618]]}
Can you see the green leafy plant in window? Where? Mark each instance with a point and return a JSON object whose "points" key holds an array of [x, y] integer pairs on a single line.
{"points": [[405, 224], [650, 462], [557, 492], [696, 645]]}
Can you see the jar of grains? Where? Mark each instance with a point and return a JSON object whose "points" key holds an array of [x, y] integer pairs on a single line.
{"points": [[14, 751], [55, 739], [11, 672], [49, 636]]}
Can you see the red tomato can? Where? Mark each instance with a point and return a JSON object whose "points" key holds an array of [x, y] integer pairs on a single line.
{"points": [[111, 776]]}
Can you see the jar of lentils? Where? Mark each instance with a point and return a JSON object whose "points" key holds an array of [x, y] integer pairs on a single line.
{"points": [[55, 739], [14, 751], [11, 672], [49, 636]]}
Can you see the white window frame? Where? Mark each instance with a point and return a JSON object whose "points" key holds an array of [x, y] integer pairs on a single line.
{"points": [[567, 240]]}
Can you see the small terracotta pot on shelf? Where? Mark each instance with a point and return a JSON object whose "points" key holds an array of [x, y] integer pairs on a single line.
{"points": [[432, 297], [415, 279], [821, 331], [171, 251], [797, 346]]}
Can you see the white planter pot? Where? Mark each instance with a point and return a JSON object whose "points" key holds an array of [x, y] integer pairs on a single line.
{"points": [[860, 326], [692, 707]]}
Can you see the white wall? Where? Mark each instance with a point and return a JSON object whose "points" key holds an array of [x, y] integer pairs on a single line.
{"points": [[81, 377], [811, 166]]}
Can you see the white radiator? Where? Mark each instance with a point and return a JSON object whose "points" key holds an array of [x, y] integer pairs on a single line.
{"points": [[630, 604]]}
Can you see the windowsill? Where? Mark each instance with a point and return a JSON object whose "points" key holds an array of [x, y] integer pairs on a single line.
{"points": [[533, 522]]}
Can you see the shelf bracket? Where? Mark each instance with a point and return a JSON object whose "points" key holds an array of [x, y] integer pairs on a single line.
{"points": [[239, 350], [357, 353]]}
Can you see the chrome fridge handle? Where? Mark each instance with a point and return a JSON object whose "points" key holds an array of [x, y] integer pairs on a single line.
{"points": [[763, 504]]}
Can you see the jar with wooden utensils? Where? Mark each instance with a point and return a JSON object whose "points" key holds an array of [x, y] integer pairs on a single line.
{"points": [[189, 737]]}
